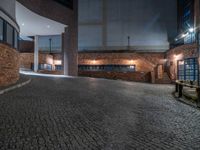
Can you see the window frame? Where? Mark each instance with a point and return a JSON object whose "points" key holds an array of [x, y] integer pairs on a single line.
{"points": [[5, 38]]}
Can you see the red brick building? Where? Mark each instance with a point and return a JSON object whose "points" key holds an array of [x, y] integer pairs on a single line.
{"points": [[179, 62]]}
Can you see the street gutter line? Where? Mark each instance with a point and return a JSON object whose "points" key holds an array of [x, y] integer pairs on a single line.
{"points": [[14, 87]]}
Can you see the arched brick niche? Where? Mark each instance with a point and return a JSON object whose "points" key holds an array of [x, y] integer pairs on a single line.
{"points": [[9, 65]]}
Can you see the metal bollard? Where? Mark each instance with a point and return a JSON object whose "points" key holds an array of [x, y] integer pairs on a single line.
{"points": [[180, 90], [176, 86], [198, 97]]}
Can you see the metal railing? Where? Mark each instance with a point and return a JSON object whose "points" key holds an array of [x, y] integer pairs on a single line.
{"points": [[179, 89]]}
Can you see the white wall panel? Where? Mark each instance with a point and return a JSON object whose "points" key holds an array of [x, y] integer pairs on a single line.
{"points": [[90, 11], [90, 36]]}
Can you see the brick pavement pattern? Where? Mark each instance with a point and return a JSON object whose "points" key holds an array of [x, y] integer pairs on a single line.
{"points": [[96, 114]]}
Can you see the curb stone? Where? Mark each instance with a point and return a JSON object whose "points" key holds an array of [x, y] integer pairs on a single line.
{"points": [[14, 87]]}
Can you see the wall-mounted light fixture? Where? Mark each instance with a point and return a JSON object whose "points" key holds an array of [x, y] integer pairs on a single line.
{"points": [[191, 30], [184, 35]]}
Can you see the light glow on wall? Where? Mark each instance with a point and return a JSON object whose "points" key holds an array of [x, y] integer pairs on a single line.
{"points": [[94, 61], [131, 62], [178, 57], [57, 62], [49, 60]]}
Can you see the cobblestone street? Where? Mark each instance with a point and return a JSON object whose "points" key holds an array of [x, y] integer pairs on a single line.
{"points": [[98, 114]]}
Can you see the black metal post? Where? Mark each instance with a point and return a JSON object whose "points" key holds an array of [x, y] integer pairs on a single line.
{"points": [[180, 90], [198, 51], [176, 85], [198, 96], [198, 59]]}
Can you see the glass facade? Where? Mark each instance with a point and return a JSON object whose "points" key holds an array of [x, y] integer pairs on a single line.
{"points": [[15, 39], [45, 67], [1, 30], [8, 34], [186, 19], [58, 67], [188, 69], [185, 14], [108, 68]]}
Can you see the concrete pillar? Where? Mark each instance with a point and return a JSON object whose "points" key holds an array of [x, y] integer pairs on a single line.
{"points": [[36, 54], [70, 51], [70, 44], [65, 47]]}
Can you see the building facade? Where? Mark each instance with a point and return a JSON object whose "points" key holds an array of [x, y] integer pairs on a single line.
{"points": [[178, 60], [9, 31], [32, 36], [183, 59], [126, 39], [65, 13], [127, 25]]}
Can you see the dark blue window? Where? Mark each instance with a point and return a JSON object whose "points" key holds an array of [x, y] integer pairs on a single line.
{"points": [[188, 69], [1, 29], [108, 68], [58, 67], [45, 67]]}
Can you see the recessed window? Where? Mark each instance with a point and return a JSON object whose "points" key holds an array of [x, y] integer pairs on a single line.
{"points": [[9, 34], [1, 29], [16, 39], [108, 68]]}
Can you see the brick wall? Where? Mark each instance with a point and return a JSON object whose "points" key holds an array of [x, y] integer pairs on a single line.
{"points": [[143, 61], [26, 46], [179, 53], [145, 64], [26, 59], [9, 65], [129, 76]]}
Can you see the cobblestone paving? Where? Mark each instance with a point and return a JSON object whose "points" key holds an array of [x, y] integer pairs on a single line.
{"points": [[86, 114]]}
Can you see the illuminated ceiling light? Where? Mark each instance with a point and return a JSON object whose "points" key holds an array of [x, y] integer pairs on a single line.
{"points": [[48, 26], [191, 30], [23, 24], [176, 39]]}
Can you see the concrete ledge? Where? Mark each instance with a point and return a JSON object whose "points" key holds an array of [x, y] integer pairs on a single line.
{"points": [[14, 86]]}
